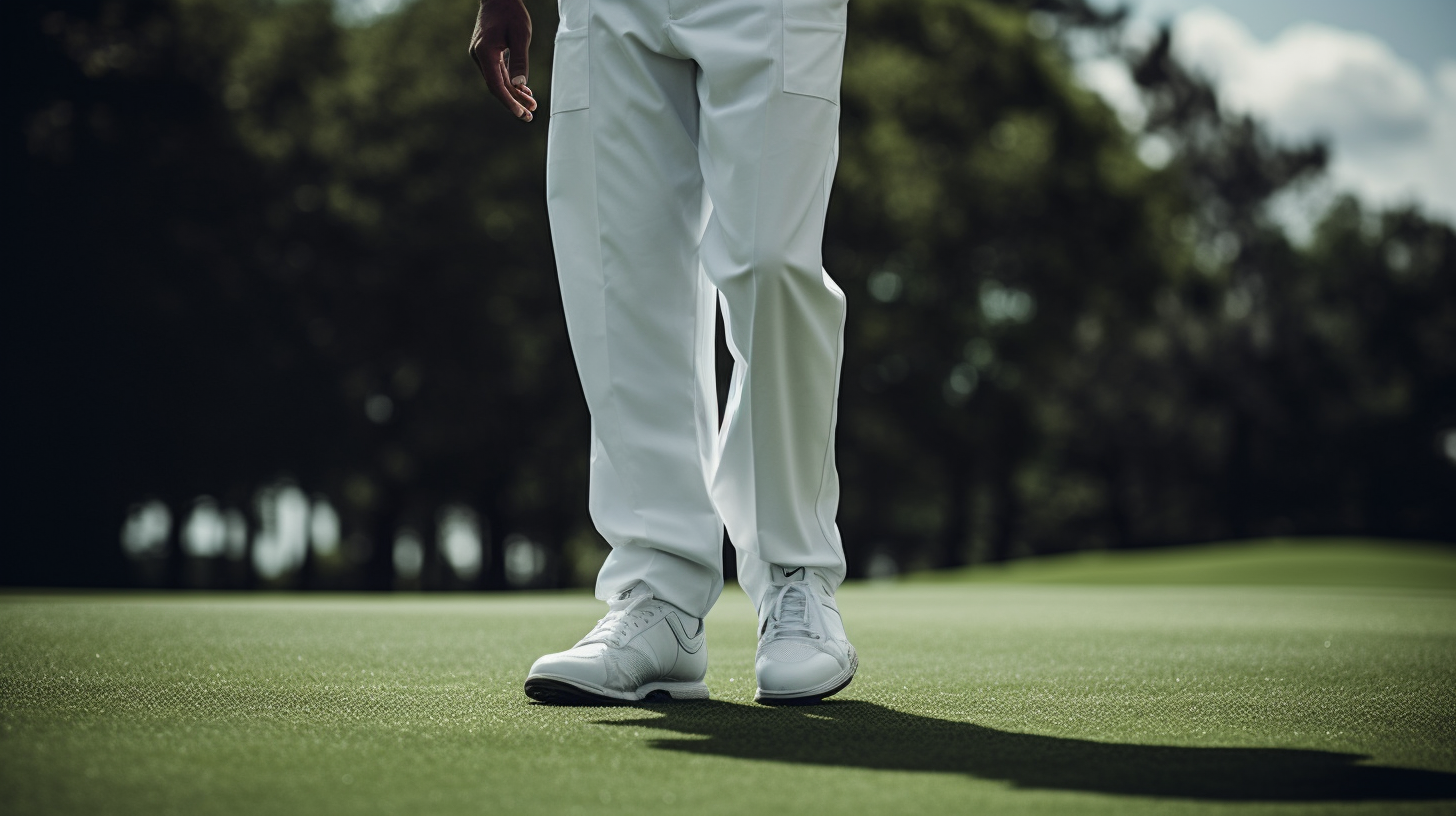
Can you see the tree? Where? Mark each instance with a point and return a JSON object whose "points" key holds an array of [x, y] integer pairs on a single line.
{"points": [[260, 242]]}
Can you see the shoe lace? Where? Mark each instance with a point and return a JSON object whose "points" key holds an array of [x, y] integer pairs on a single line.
{"points": [[623, 617], [789, 615]]}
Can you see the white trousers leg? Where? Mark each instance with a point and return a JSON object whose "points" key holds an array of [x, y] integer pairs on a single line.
{"points": [[691, 150]]}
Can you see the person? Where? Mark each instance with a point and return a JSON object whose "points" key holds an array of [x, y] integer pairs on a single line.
{"points": [[691, 149]]}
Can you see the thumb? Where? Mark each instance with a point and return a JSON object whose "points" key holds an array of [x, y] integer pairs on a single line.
{"points": [[520, 43]]}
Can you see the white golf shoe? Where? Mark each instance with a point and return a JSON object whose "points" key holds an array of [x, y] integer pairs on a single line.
{"points": [[645, 649], [803, 654]]}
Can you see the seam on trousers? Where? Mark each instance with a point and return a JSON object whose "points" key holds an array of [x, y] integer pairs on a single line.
{"points": [[610, 399], [833, 421], [771, 97], [825, 184]]}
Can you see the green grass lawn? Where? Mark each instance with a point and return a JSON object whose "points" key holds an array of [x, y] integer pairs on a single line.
{"points": [[1328, 562], [1029, 692]]}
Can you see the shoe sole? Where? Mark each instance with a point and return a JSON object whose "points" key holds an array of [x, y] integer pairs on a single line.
{"points": [[554, 691], [811, 697]]}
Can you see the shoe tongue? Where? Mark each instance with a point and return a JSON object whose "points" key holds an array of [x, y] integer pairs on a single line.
{"points": [[793, 607], [779, 576]]}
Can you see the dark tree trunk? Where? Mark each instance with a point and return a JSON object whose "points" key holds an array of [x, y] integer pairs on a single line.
{"points": [[253, 523], [494, 528], [433, 571], [308, 572], [379, 569], [1119, 517], [1239, 477], [955, 534], [176, 569], [1005, 512]]}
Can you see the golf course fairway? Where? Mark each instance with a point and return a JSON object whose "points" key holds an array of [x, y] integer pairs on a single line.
{"points": [[1145, 687]]}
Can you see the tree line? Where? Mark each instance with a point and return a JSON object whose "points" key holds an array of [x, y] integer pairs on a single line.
{"points": [[260, 241]]}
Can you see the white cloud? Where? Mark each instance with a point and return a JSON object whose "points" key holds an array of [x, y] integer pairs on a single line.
{"points": [[1391, 128], [1108, 76]]}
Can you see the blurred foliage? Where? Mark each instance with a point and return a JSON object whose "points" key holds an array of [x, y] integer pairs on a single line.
{"points": [[258, 241]]}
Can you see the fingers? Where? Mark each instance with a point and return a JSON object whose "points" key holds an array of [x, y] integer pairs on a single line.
{"points": [[500, 88], [493, 68], [516, 70], [519, 56], [518, 38], [522, 103]]}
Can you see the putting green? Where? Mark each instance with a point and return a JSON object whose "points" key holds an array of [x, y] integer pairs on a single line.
{"points": [[972, 697]]}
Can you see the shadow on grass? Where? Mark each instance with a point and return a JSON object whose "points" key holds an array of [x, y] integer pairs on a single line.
{"points": [[856, 734]]}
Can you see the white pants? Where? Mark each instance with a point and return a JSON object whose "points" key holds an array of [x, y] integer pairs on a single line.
{"points": [[691, 151]]}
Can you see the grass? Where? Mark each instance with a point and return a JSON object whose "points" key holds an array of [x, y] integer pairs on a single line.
{"points": [[1010, 694], [1326, 562]]}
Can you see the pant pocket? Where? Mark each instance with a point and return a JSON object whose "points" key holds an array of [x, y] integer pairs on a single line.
{"points": [[813, 57], [570, 75]]}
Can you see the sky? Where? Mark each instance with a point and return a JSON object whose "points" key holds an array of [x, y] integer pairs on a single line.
{"points": [[1377, 80]]}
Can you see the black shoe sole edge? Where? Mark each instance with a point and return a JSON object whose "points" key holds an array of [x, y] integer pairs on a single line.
{"points": [[812, 699], [556, 692]]}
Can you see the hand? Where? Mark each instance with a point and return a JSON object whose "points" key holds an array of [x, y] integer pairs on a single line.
{"points": [[499, 47]]}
